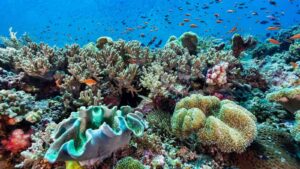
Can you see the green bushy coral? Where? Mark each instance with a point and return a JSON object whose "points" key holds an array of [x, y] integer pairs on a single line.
{"points": [[222, 123], [129, 163]]}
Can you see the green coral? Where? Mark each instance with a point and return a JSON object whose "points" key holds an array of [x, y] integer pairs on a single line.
{"points": [[222, 123], [129, 163]]}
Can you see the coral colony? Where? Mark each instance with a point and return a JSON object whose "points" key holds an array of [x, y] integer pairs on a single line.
{"points": [[116, 104]]}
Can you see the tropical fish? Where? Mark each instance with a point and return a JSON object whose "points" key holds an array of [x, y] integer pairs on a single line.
{"points": [[89, 82], [273, 28], [193, 26], [274, 41], [297, 36], [294, 65], [234, 29]]}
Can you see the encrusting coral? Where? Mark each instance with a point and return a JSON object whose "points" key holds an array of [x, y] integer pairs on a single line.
{"points": [[222, 123], [93, 133]]}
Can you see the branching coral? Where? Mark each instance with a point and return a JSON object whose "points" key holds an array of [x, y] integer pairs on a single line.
{"points": [[172, 72], [93, 133], [222, 123], [115, 68], [39, 60], [6, 56], [288, 97]]}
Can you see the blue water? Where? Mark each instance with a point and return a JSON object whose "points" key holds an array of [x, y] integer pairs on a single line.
{"points": [[60, 22]]}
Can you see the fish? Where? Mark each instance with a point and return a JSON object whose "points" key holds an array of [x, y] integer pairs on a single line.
{"points": [[297, 36], [158, 44], [274, 41], [294, 65], [230, 11], [89, 82], [234, 29], [273, 28], [186, 20], [264, 22], [219, 21], [193, 26]]}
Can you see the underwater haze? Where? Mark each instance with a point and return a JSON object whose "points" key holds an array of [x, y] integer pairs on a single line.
{"points": [[73, 21], [149, 84]]}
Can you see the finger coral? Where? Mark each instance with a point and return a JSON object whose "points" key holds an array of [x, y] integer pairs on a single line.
{"points": [[93, 133], [222, 123]]}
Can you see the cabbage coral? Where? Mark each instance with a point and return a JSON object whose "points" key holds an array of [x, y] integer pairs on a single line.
{"points": [[93, 133], [222, 123]]}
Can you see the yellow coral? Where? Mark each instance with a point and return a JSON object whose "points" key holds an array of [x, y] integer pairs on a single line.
{"points": [[222, 123]]}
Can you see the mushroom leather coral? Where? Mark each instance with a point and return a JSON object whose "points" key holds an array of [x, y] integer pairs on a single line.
{"points": [[93, 133], [224, 124]]}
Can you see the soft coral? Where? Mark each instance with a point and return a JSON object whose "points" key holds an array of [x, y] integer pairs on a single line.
{"points": [[17, 141]]}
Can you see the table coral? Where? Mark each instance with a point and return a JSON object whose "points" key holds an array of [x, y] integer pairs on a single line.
{"points": [[93, 133], [222, 123]]}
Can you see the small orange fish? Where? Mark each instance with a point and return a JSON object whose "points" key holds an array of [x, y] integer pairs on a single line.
{"points": [[187, 14], [181, 24], [193, 26], [89, 82], [294, 65], [297, 36], [273, 28], [274, 41], [234, 29]]}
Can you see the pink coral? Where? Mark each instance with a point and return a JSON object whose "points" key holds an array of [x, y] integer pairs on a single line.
{"points": [[17, 141], [217, 74]]}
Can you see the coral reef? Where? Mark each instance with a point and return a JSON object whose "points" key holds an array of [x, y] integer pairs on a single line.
{"points": [[93, 133], [39, 60], [17, 141], [239, 44], [288, 97], [222, 123], [217, 74], [296, 129], [273, 148]]}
